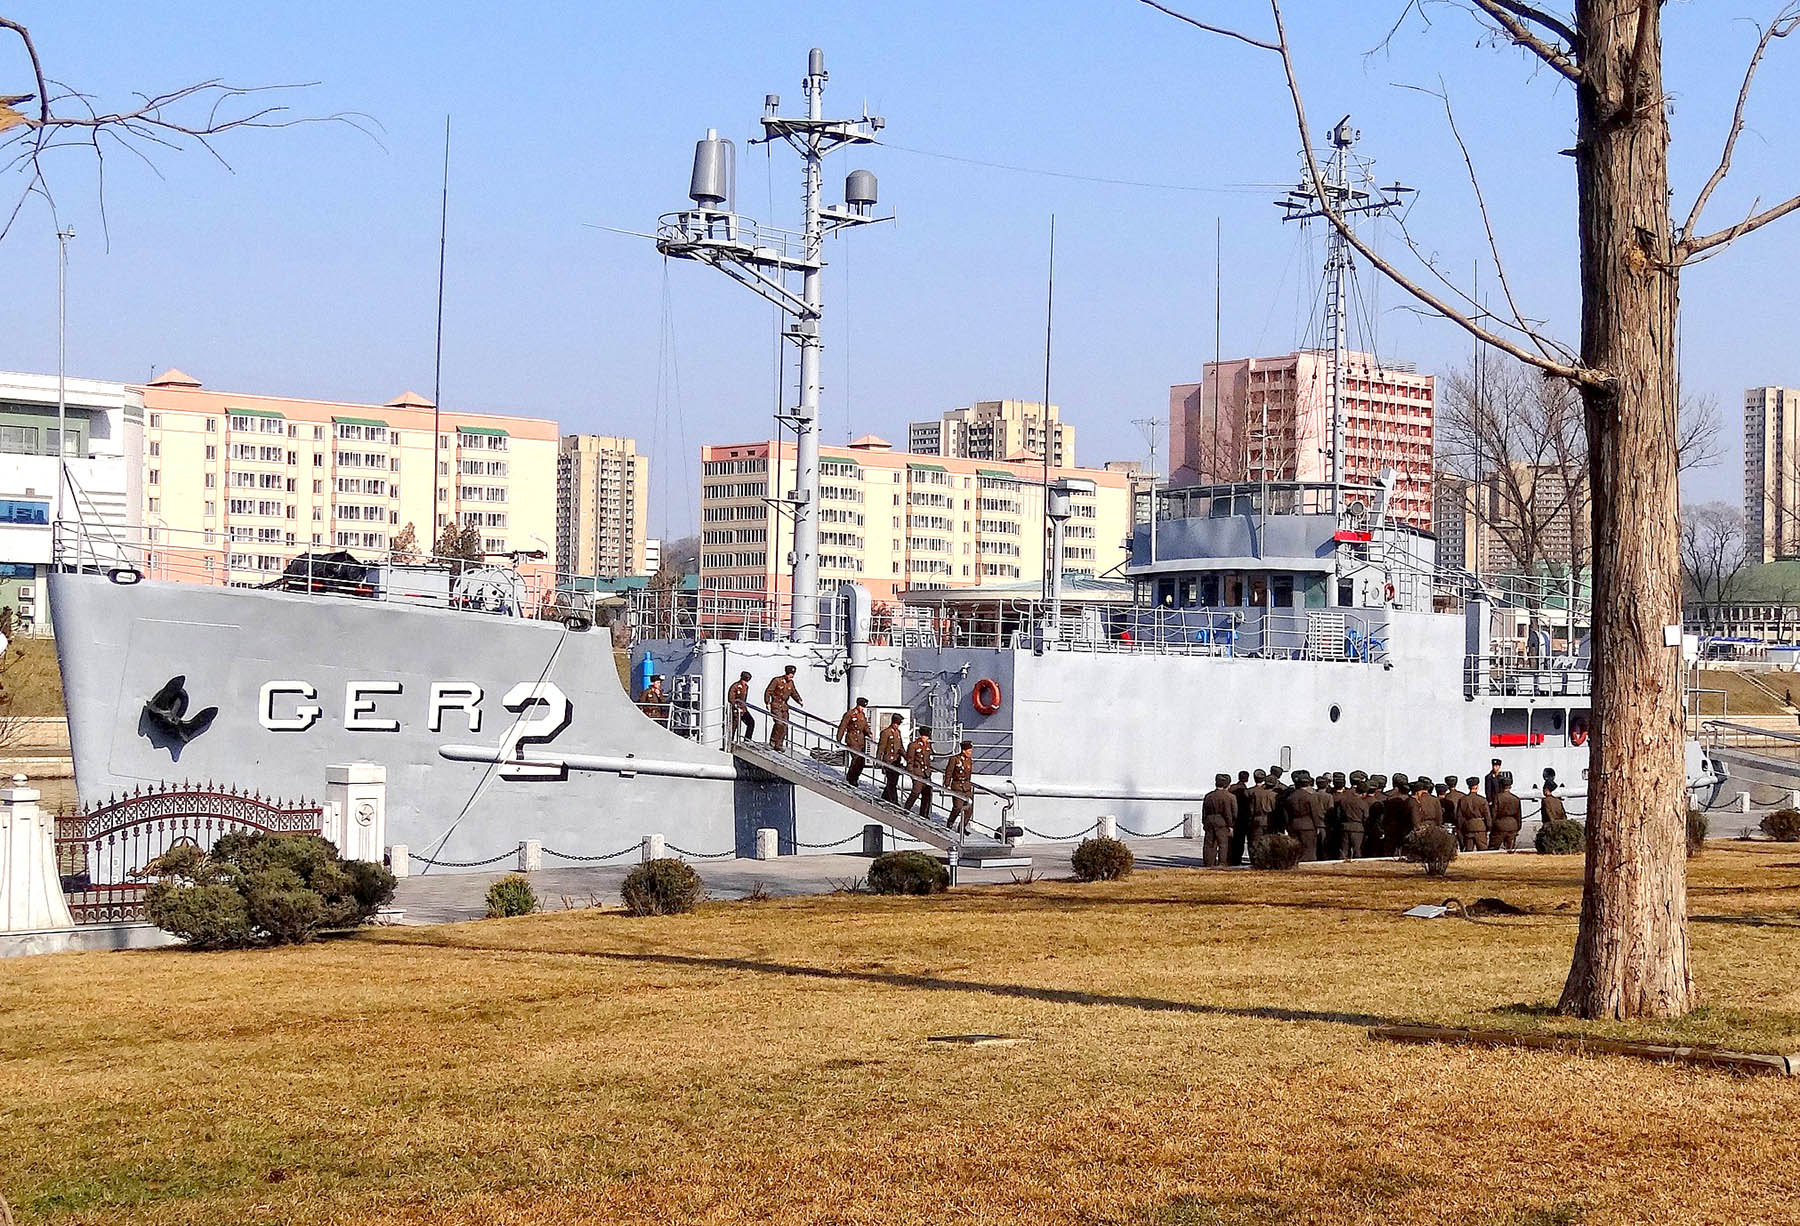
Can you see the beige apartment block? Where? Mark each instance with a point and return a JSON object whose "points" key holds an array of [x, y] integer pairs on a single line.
{"points": [[236, 485], [896, 520], [602, 500], [1772, 472], [996, 430], [1255, 419]]}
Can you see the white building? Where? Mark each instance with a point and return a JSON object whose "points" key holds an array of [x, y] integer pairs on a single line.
{"points": [[105, 454], [652, 554]]}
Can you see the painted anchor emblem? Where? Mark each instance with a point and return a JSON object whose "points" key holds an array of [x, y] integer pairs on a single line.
{"points": [[167, 709]]}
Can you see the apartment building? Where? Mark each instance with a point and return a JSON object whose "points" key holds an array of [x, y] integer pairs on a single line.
{"points": [[1772, 472], [1530, 516], [897, 520], [602, 500], [235, 484], [102, 441], [996, 430], [1254, 419]]}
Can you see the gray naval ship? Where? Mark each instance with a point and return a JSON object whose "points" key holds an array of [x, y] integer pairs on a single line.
{"points": [[1273, 622]]}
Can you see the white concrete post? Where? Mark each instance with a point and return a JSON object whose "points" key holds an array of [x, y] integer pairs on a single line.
{"points": [[1107, 827], [1744, 801], [531, 856], [1191, 827], [653, 848], [1794, 799], [399, 862], [359, 790], [31, 894], [768, 842]]}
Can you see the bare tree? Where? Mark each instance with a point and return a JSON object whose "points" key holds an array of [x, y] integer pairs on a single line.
{"points": [[1631, 955], [51, 115], [1714, 550]]}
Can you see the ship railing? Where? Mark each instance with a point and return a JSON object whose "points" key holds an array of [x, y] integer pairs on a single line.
{"points": [[1521, 676], [516, 584], [813, 740], [719, 613], [1773, 743]]}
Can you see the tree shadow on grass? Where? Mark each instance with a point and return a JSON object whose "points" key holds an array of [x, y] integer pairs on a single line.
{"points": [[896, 979]]}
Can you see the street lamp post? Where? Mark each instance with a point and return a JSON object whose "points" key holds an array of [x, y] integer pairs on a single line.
{"points": [[62, 328]]}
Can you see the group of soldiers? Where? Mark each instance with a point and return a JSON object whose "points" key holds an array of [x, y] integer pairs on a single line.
{"points": [[894, 754], [1349, 817]]}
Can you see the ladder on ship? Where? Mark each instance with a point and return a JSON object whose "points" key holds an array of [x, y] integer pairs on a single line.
{"points": [[809, 760]]}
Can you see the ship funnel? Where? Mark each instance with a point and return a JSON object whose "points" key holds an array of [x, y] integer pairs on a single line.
{"points": [[859, 191], [714, 181]]}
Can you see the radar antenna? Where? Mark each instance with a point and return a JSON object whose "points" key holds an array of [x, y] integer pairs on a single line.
{"points": [[1345, 186], [764, 258]]}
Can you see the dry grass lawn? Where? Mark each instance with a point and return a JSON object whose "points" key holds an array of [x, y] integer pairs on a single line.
{"points": [[1196, 1054]]}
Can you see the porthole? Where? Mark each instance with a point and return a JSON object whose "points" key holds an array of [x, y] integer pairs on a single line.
{"points": [[1336, 712]]}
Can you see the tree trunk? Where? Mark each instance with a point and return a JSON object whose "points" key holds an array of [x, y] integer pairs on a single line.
{"points": [[1631, 955]]}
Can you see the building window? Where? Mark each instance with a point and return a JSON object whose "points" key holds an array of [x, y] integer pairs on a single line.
{"points": [[155, 420], [156, 476], [155, 505], [212, 451], [212, 481], [23, 511], [155, 447]]}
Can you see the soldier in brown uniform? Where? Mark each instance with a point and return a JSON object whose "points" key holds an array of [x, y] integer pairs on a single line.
{"points": [[1490, 783], [1281, 787], [1508, 817], [738, 698], [1303, 809], [888, 751], [1240, 824], [653, 701], [1472, 818], [1553, 809], [1218, 814], [776, 696], [1396, 813], [1353, 820], [918, 761], [959, 781], [1451, 799], [1262, 808], [1423, 809], [853, 734]]}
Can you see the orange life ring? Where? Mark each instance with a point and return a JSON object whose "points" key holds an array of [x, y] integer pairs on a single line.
{"points": [[1578, 731], [986, 696], [1389, 593]]}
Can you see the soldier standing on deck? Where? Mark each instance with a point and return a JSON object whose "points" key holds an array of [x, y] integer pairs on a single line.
{"points": [[1472, 818], [888, 751], [1240, 824], [853, 734], [918, 761], [738, 699], [1507, 815], [776, 696]]}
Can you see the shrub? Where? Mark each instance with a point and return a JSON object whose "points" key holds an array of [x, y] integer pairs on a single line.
{"points": [[1275, 851], [1561, 837], [1432, 846], [1783, 825], [662, 887], [511, 896], [1696, 832], [262, 889], [205, 916], [1102, 860], [907, 872]]}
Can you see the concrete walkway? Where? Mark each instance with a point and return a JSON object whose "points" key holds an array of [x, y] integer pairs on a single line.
{"points": [[445, 897]]}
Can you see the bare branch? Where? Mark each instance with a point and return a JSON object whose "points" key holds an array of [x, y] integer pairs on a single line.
{"points": [[1784, 24], [1514, 18], [190, 115], [1688, 249], [1572, 372], [1212, 29], [1512, 303]]}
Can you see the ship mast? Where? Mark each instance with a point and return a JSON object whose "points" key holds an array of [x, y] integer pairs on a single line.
{"points": [[764, 259], [1345, 187]]}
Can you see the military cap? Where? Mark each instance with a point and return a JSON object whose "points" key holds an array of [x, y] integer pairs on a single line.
{"points": [[1379, 782], [1302, 779], [1474, 782], [1399, 778], [1338, 780], [1359, 776], [1260, 775], [1275, 772], [1221, 779], [1450, 779]]}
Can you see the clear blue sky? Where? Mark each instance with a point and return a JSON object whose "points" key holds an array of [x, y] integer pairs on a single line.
{"points": [[309, 269]]}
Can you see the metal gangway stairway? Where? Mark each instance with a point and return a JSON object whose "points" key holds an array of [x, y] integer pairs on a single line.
{"points": [[808, 760]]}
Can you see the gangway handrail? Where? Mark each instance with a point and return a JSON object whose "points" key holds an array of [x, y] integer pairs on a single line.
{"points": [[1007, 796], [1726, 725]]}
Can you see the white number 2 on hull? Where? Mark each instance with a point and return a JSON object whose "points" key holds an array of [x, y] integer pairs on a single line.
{"points": [[538, 729]]}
